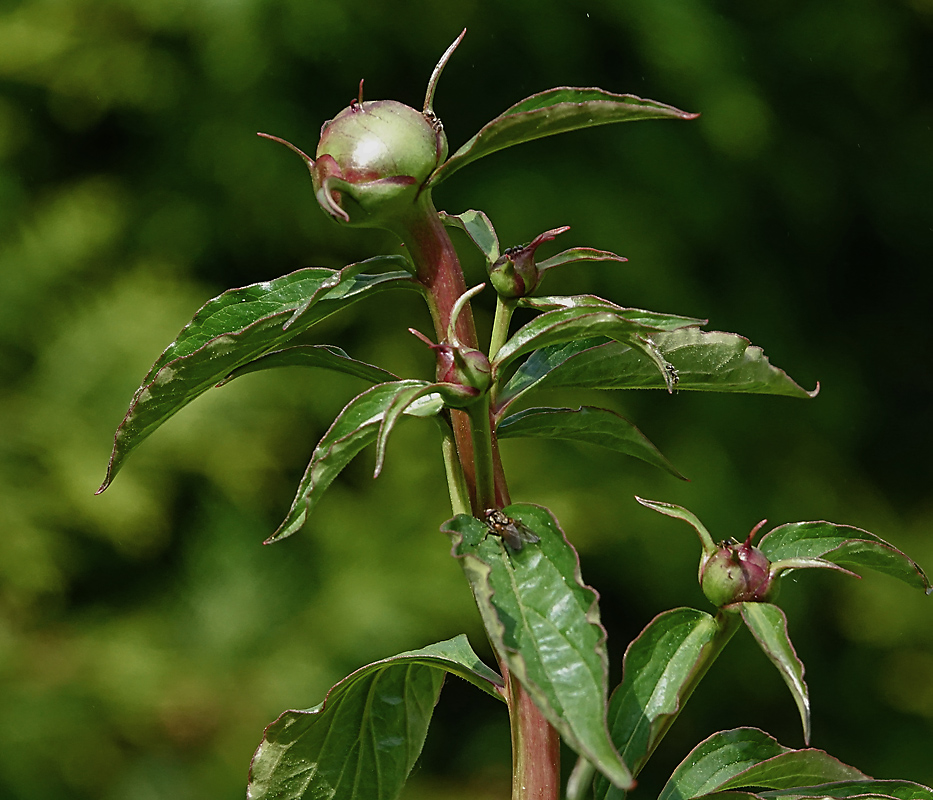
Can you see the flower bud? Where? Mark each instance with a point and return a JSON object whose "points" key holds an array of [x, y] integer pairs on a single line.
{"points": [[373, 160], [465, 371], [737, 572], [515, 273]]}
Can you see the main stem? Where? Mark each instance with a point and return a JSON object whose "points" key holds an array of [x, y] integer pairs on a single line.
{"points": [[535, 744]]}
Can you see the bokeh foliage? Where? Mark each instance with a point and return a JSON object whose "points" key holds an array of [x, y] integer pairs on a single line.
{"points": [[146, 637]]}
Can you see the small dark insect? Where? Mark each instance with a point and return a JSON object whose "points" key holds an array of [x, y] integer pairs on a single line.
{"points": [[513, 532], [672, 371], [434, 121]]}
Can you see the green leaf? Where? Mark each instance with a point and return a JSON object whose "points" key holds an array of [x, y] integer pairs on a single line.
{"points": [[356, 426], [597, 426], [554, 111], [842, 544], [709, 361], [544, 621], [537, 367], [363, 740], [583, 319], [325, 356], [769, 627], [477, 226], [235, 328], [893, 789], [750, 757], [657, 675], [575, 255]]}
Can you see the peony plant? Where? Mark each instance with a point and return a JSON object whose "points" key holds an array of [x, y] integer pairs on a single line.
{"points": [[376, 165]]}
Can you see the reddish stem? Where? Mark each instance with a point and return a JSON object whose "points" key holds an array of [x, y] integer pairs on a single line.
{"points": [[535, 743], [439, 271]]}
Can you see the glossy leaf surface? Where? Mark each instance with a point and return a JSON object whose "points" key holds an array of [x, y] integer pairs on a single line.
{"points": [[750, 757], [584, 320], [544, 621], [769, 627], [554, 111], [597, 426], [233, 329], [356, 426], [709, 361], [844, 545], [894, 789], [656, 672], [363, 740], [322, 356]]}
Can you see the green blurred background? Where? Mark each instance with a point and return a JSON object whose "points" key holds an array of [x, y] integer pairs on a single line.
{"points": [[146, 637]]}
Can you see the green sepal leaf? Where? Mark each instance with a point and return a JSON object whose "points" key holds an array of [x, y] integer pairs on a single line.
{"points": [[477, 226], [769, 627], [747, 757], [679, 512], [844, 545], [356, 426], [709, 361], [235, 328], [550, 112], [657, 678], [577, 254], [363, 740], [324, 356], [597, 426], [544, 621], [883, 789], [584, 320]]}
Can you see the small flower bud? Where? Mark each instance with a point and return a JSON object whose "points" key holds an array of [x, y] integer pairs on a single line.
{"points": [[465, 371], [515, 273], [737, 572]]}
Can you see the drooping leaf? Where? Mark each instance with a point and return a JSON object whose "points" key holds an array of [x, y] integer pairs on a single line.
{"points": [[324, 356], [769, 627], [401, 404], [844, 545], [235, 328], [550, 112], [709, 361], [863, 789], [544, 621], [584, 320], [657, 678], [477, 226], [363, 740], [746, 757], [356, 426], [597, 426]]}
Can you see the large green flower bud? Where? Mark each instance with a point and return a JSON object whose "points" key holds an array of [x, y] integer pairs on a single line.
{"points": [[375, 157], [373, 160]]}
